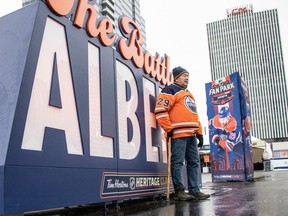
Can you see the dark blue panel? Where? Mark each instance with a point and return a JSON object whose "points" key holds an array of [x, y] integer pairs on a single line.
{"points": [[128, 90], [108, 92], [64, 179], [15, 36], [36, 188], [54, 146], [130, 130], [55, 96], [2, 189], [53, 178], [78, 53]]}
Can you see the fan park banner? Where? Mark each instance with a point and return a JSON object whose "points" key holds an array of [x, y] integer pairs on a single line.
{"points": [[229, 116], [77, 102]]}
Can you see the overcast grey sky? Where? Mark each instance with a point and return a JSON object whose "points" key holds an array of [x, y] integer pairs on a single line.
{"points": [[8, 6], [178, 29]]}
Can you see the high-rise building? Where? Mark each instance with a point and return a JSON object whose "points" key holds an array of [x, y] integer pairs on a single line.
{"points": [[26, 2], [249, 42], [113, 9]]}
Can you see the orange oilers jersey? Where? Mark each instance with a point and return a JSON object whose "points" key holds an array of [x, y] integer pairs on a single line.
{"points": [[176, 110], [230, 127]]}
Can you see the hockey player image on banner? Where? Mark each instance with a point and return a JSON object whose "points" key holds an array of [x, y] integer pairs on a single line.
{"points": [[225, 135], [228, 111]]}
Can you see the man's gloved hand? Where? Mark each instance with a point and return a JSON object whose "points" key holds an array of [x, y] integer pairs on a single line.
{"points": [[200, 138]]}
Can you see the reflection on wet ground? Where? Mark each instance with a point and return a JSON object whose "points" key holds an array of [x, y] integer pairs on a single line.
{"points": [[266, 195]]}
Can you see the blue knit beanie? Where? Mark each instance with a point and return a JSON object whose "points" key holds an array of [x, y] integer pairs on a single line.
{"points": [[178, 71]]}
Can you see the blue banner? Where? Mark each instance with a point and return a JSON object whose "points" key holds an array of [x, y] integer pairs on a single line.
{"points": [[228, 112]]}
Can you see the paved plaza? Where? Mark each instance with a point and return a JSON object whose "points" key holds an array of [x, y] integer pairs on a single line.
{"points": [[267, 195]]}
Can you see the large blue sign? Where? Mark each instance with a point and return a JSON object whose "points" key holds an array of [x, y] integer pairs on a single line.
{"points": [[77, 123], [228, 110]]}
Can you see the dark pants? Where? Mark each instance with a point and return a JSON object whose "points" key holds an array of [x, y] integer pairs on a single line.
{"points": [[185, 149]]}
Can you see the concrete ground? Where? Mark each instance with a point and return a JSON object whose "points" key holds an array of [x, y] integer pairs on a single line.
{"points": [[267, 195]]}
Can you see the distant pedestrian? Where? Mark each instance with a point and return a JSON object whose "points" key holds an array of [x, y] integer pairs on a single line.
{"points": [[176, 112]]}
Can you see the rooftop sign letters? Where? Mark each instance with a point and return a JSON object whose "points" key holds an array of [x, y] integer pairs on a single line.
{"points": [[239, 10]]}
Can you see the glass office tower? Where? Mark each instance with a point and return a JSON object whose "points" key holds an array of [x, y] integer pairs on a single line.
{"points": [[26, 2], [249, 42]]}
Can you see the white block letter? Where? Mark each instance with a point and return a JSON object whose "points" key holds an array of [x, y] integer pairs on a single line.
{"points": [[152, 152], [40, 113], [127, 112], [99, 145]]}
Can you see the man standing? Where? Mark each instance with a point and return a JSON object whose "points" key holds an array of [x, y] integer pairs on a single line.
{"points": [[176, 112]]}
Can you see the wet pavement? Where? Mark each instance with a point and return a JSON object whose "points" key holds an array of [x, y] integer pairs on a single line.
{"points": [[267, 195]]}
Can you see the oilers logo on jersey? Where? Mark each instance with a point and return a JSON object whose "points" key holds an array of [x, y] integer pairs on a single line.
{"points": [[190, 104]]}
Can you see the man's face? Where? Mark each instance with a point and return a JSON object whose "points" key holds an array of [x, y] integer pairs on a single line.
{"points": [[224, 121], [182, 80]]}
